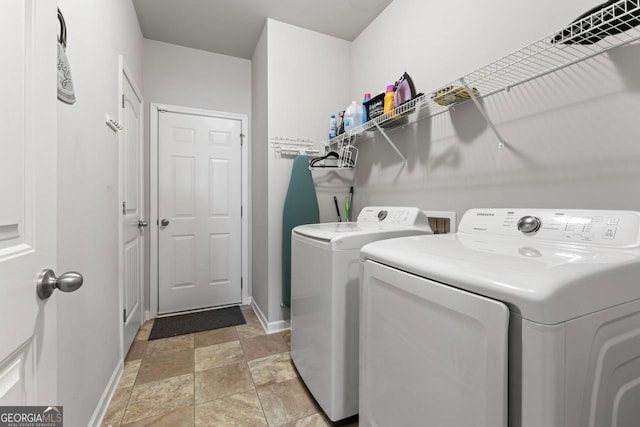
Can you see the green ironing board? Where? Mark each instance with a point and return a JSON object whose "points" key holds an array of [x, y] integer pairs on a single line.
{"points": [[300, 207]]}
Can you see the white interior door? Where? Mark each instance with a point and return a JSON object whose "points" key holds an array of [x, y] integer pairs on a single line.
{"points": [[133, 222], [28, 201], [199, 209]]}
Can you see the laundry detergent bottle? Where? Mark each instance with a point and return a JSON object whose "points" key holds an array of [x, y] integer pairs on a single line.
{"points": [[388, 100], [352, 116], [332, 127]]}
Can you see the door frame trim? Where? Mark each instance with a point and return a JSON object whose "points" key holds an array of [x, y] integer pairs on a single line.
{"points": [[125, 72], [153, 193]]}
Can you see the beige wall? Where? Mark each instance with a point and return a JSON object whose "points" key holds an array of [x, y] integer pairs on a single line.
{"points": [[302, 86], [87, 233], [196, 78], [259, 175], [572, 136]]}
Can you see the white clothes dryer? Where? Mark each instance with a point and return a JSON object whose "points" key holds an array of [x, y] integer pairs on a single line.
{"points": [[523, 318], [325, 274]]}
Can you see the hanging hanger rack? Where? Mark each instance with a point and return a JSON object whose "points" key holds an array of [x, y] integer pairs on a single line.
{"points": [[293, 147]]}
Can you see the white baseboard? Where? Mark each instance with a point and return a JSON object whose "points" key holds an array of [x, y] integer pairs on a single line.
{"points": [[270, 327], [260, 314], [280, 325], [107, 395], [147, 315]]}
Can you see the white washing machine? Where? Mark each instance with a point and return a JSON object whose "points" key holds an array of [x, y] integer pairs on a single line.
{"points": [[325, 273], [523, 318]]}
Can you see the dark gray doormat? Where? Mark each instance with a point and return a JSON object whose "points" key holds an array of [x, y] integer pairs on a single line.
{"points": [[165, 327]]}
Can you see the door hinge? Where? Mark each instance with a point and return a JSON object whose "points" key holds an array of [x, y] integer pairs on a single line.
{"points": [[241, 210], [124, 315], [241, 139], [123, 100], [241, 283], [124, 208]]}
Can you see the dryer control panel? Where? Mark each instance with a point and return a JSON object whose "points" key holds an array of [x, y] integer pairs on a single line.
{"points": [[406, 216], [598, 227]]}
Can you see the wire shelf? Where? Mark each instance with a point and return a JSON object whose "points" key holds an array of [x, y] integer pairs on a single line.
{"points": [[599, 32]]}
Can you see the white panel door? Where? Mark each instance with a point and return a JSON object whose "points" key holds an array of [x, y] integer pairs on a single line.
{"points": [[199, 203], [27, 201], [131, 170]]}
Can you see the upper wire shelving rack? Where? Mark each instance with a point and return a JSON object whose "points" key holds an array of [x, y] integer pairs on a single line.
{"points": [[603, 30]]}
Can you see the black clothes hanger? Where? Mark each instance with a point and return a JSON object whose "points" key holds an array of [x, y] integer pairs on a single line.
{"points": [[62, 37], [330, 155]]}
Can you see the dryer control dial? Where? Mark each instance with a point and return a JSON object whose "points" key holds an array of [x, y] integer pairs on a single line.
{"points": [[529, 224]]}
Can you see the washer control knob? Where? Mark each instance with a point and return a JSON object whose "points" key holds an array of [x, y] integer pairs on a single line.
{"points": [[382, 215], [529, 224]]}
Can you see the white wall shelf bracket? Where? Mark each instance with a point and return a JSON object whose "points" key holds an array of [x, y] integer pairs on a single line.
{"points": [[383, 133], [474, 98]]}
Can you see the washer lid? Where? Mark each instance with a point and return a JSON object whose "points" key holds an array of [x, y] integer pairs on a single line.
{"points": [[325, 231], [353, 235], [547, 282], [374, 223]]}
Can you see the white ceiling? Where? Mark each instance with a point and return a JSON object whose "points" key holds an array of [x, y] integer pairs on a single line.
{"points": [[233, 27]]}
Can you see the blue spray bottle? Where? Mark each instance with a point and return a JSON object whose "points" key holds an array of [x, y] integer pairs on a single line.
{"points": [[367, 97]]}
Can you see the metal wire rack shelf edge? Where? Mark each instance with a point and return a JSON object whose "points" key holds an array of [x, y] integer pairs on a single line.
{"points": [[613, 26]]}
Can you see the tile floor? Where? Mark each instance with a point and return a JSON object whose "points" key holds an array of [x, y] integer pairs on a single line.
{"points": [[236, 376]]}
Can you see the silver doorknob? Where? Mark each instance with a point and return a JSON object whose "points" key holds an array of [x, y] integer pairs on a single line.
{"points": [[142, 223], [48, 282], [164, 222]]}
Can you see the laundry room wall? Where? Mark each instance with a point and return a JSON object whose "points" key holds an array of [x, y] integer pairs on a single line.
{"points": [[87, 206], [571, 136], [195, 78], [186, 77], [259, 175], [304, 81]]}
